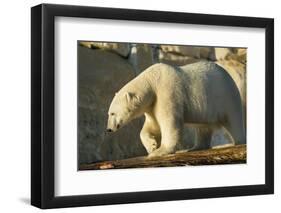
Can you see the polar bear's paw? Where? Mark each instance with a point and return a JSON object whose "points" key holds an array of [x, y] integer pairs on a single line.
{"points": [[150, 144], [151, 148], [159, 152], [183, 150], [223, 146]]}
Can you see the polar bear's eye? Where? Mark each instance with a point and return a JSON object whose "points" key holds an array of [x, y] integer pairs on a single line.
{"points": [[112, 113]]}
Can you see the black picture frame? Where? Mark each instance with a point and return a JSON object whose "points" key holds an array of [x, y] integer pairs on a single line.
{"points": [[43, 110]]}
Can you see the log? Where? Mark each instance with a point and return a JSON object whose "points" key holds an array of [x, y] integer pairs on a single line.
{"points": [[228, 155]]}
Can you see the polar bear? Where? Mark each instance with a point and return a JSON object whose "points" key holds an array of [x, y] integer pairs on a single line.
{"points": [[202, 95]]}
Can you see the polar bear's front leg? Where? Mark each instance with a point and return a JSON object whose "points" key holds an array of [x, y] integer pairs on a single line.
{"points": [[150, 134], [171, 135]]}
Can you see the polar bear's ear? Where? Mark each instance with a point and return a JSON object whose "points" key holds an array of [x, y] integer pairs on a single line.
{"points": [[129, 96]]}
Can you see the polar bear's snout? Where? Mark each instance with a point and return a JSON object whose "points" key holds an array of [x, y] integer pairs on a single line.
{"points": [[113, 123], [108, 129]]}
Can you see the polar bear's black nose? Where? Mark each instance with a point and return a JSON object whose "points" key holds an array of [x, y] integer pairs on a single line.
{"points": [[109, 130]]}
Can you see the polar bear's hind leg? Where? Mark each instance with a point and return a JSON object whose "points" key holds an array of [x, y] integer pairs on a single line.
{"points": [[236, 129], [203, 138]]}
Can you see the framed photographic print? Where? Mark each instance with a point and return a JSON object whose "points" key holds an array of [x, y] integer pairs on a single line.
{"points": [[139, 106]]}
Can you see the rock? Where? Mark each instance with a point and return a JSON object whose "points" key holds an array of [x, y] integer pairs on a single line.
{"points": [[121, 49], [190, 51], [240, 55], [87, 44], [237, 54], [141, 57], [223, 53], [98, 82], [176, 60], [207, 53], [171, 54]]}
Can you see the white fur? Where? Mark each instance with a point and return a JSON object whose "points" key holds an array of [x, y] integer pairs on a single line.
{"points": [[200, 94]]}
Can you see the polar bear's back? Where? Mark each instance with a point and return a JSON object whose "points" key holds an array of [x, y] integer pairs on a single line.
{"points": [[205, 68], [210, 74], [197, 79], [195, 71], [210, 89]]}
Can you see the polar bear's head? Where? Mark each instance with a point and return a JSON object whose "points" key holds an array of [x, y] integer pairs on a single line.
{"points": [[124, 107]]}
